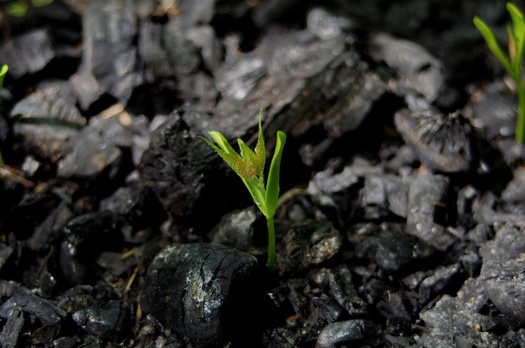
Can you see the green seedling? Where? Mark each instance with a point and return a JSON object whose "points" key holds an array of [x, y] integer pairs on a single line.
{"points": [[249, 165], [513, 61], [3, 71], [19, 8]]}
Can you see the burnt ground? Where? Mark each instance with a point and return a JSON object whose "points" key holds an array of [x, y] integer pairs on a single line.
{"points": [[401, 218]]}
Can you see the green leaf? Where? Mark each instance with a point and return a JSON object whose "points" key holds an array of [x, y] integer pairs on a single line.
{"points": [[258, 194], [272, 187], [3, 71], [518, 36], [260, 151], [493, 44], [222, 142], [233, 160], [40, 3], [249, 158], [16, 9]]}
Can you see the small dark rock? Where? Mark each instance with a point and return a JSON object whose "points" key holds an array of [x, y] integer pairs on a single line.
{"points": [[425, 195], [418, 70], [27, 53], [387, 191], [335, 334], [515, 189], [109, 29], [25, 308], [97, 147], [443, 142], [236, 230], [308, 243], [495, 112], [471, 263], [82, 240], [450, 320], [326, 308], [440, 279], [47, 119], [393, 249], [508, 244], [398, 326], [504, 282], [103, 323], [344, 292], [5, 252]]}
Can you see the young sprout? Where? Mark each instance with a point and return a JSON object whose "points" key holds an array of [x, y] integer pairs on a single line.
{"points": [[513, 62], [249, 165], [3, 71]]}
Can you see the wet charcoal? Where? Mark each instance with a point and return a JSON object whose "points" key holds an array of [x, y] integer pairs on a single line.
{"points": [[47, 119], [393, 249], [175, 164], [335, 334], [97, 147], [306, 244], [452, 323], [27, 53], [504, 284], [109, 30], [425, 219], [326, 308], [104, 323], [204, 292], [25, 308], [442, 142]]}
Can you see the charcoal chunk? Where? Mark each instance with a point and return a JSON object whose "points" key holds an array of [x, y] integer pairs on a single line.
{"points": [[450, 320], [393, 249], [424, 220], [443, 142], [27, 53], [202, 291], [505, 285], [340, 332]]}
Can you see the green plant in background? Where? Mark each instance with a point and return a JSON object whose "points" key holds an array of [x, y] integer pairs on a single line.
{"points": [[3, 71], [19, 8], [513, 62], [249, 165]]}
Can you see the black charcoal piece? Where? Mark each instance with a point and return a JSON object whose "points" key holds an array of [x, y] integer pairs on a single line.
{"points": [[204, 292]]}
